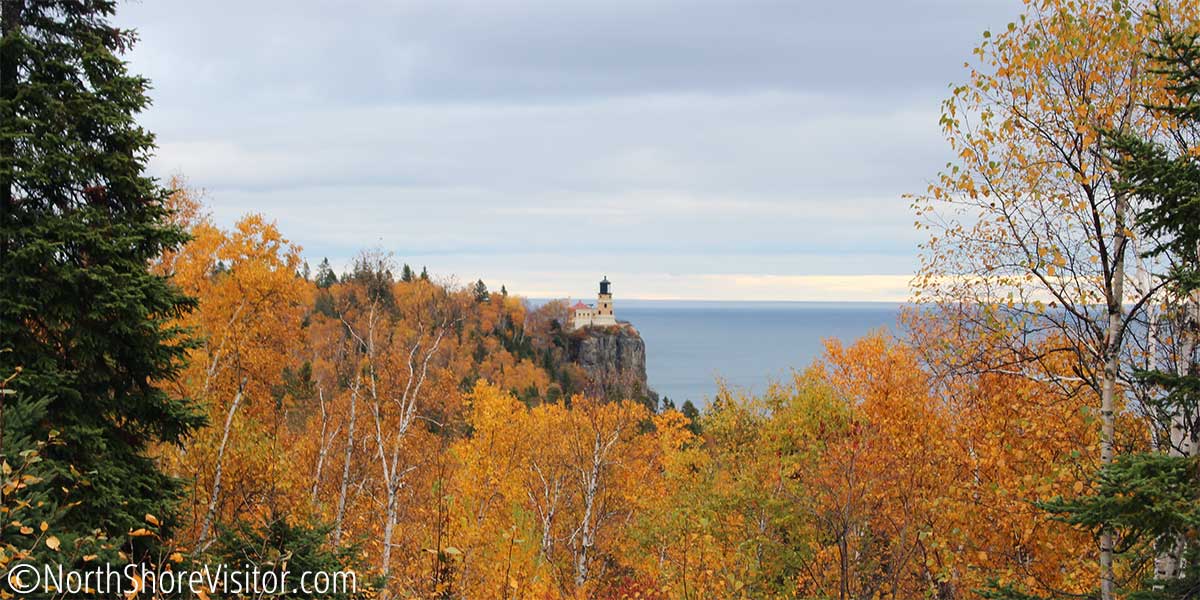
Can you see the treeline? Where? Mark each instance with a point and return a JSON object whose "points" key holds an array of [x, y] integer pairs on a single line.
{"points": [[406, 426], [406, 429]]}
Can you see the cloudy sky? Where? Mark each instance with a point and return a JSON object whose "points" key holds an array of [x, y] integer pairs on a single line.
{"points": [[743, 149]]}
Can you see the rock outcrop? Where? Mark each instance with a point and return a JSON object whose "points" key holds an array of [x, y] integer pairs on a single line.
{"points": [[615, 359]]}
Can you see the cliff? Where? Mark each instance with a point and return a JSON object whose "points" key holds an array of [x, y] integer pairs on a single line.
{"points": [[614, 358]]}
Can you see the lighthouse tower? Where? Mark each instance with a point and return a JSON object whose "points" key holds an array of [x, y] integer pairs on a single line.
{"points": [[604, 307]]}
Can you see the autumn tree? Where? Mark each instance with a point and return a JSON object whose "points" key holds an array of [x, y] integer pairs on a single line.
{"points": [[543, 495], [597, 433], [1031, 228], [871, 474], [494, 538], [252, 304], [1150, 497], [733, 518], [401, 334]]}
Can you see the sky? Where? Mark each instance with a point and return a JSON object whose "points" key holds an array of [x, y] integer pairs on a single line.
{"points": [[735, 150]]}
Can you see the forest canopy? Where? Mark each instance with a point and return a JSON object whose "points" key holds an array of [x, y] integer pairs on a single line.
{"points": [[178, 391]]}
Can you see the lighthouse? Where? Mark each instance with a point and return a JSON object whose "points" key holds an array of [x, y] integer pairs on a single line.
{"points": [[604, 309], [583, 315]]}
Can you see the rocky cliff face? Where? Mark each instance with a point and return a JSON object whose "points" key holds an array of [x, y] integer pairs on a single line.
{"points": [[614, 357]]}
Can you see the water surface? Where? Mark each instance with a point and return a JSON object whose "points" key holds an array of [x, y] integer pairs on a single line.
{"points": [[690, 344]]}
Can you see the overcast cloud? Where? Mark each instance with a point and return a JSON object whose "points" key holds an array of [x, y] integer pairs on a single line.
{"points": [[709, 150]]}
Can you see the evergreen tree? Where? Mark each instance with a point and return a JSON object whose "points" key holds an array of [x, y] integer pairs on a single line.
{"points": [[374, 271], [302, 547], [325, 275], [79, 225], [406, 274], [503, 291], [424, 274], [481, 291], [690, 411]]}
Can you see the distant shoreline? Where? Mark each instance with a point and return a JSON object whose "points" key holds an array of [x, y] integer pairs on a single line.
{"points": [[791, 304]]}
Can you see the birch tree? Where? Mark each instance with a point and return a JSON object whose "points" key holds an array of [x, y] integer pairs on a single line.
{"points": [[252, 307], [347, 460], [401, 338], [597, 436], [546, 473], [1165, 173], [1030, 229]]}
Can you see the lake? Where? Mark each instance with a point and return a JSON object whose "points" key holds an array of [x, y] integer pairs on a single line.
{"points": [[748, 344]]}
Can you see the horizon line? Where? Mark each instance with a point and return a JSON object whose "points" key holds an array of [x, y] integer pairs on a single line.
{"points": [[726, 300]]}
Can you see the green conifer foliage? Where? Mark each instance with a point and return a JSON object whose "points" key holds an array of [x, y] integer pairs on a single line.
{"points": [[80, 222]]}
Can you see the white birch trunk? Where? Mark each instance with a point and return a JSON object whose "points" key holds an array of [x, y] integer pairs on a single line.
{"points": [[1115, 314], [344, 487], [322, 448], [587, 531], [1167, 565], [211, 513]]}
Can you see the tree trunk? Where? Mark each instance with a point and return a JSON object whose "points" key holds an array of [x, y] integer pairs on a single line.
{"points": [[344, 488], [547, 506], [587, 531], [587, 536], [211, 513], [1115, 313], [1107, 403], [322, 447], [1183, 432], [389, 529]]}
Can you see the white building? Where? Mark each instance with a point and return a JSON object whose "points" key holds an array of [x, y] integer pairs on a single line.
{"points": [[584, 315]]}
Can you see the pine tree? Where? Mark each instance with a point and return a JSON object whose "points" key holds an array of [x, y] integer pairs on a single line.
{"points": [[374, 271], [79, 225], [307, 548], [424, 274], [325, 275], [481, 291], [690, 411], [406, 274]]}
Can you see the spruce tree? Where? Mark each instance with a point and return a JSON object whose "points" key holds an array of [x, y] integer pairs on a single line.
{"points": [[79, 224], [481, 291], [690, 411], [325, 275]]}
